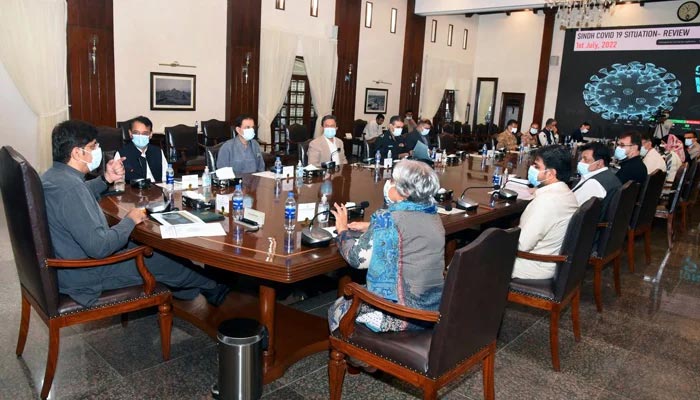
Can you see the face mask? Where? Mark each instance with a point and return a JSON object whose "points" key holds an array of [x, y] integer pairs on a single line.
{"points": [[248, 134], [329, 133], [409, 117], [688, 142], [425, 132], [582, 168], [643, 152], [513, 130], [398, 131], [532, 173], [533, 130], [140, 141], [620, 153], [584, 130], [96, 159], [387, 186]]}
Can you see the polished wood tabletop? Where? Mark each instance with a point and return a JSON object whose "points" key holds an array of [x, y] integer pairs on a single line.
{"points": [[273, 254]]}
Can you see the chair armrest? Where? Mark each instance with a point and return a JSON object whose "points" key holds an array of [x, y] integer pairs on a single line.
{"points": [[362, 295], [541, 257], [149, 282]]}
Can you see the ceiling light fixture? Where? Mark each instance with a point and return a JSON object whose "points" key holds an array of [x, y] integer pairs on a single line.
{"points": [[581, 13]]}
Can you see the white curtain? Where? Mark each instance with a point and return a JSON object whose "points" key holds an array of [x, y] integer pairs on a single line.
{"points": [[277, 53], [33, 51], [321, 62], [463, 87], [435, 76]]}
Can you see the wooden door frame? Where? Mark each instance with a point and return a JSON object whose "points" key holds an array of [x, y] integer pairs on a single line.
{"points": [[501, 117]]}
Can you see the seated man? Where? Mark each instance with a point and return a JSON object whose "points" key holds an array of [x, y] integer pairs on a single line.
{"points": [[242, 152], [327, 147], [373, 129], [529, 138], [577, 135], [651, 158], [143, 160], [79, 229], [548, 135], [545, 220], [691, 144], [596, 179], [391, 140], [632, 167], [420, 134], [506, 139]]}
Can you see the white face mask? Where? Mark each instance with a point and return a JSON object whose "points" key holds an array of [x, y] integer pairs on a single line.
{"points": [[513, 130], [387, 186], [398, 131], [533, 130], [643, 151], [329, 133], [248, 134], [96, 158], [584, 130], [425, 132]]}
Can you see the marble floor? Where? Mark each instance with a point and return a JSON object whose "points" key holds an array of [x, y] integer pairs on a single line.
{"points": [[645, 345]]}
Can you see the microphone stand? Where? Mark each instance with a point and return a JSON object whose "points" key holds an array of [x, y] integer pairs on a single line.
{"points": [[469, 204], [321, 237]]}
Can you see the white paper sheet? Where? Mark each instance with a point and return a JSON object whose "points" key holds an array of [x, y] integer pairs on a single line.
{"points": [[454, 210], [225, 173], [305, 210], [192, 230], [524, 192], [265, 174]]}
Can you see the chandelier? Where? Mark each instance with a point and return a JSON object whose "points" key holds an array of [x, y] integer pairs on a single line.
{"points": [[581, 13]]}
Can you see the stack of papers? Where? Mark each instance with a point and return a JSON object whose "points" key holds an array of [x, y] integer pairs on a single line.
{"points": [[182, 224]]}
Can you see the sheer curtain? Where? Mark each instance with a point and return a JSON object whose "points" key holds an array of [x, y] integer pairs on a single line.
{"points": [[321, 62], [277, 53], [435, 76], [463, 87], [33, 51]]}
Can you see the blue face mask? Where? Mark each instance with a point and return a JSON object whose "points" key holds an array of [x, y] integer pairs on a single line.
{"points": [[248, 134], [620, 153], [398, 131], [140, 141], [329, 132], [582, 168], [96, 159], [425, 132], [532, 173]]}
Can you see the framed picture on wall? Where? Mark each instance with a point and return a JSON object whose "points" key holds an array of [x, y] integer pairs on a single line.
{"points": [[375, 100], [173, 92]]}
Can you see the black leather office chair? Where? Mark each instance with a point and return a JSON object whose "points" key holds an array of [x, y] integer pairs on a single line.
{"points": [[215, 132], [643, 215], [184, 140]]}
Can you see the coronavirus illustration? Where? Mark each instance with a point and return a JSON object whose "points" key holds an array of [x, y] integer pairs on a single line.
{"points": [[632, 92]]}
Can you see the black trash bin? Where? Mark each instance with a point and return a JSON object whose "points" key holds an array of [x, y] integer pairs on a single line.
{"points": [[241, 345]]}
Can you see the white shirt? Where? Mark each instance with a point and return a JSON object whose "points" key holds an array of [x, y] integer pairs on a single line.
{"points": [[372, 130], [587, 187], [542, 229], [654, 161], [149, 174], [333, 149]]}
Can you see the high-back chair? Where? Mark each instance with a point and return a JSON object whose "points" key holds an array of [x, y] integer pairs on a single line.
{"points": [[643, 215], [212, 154], [124, 127], [110, 140], [689, 195], [667, 210], [611, 238], [471, 309], [553, 295], [215, 132], [23, 199], [183, 140], [303, 152], [297, 134]]}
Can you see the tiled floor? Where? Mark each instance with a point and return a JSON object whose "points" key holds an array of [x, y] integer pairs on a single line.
{"points": [[645, 345]]}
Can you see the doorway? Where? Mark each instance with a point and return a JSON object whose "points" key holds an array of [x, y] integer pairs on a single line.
{"points": [[511, 108]]}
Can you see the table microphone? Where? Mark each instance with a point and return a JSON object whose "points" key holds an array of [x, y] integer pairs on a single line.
{"points": [[506, 194], [321, 237], [467, 203], [331, 164]]}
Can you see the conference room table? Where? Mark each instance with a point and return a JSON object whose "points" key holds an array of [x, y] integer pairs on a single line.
{"points": [[274, 257]]}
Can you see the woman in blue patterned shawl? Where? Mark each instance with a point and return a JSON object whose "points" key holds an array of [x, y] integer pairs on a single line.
{"points": [[402, 248]]}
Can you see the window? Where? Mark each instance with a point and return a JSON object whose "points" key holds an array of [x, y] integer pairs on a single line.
{"points": [[394, 13], [450, 31], [296, 109], [368, 14], [464, 39], [445, 114], [279, 4], [433, 31], [314, 8]]}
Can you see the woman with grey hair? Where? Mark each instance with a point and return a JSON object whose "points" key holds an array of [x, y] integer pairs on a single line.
{"points": [[402, 248]]}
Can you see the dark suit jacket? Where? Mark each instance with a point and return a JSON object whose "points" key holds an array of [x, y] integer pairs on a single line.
{"points": [[387, 141], [414, 137], [632, 169]]}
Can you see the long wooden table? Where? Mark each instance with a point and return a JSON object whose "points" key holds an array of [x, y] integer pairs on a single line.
{"points": [[275, 256]]}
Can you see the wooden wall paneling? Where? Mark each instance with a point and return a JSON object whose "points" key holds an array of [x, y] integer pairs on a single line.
{"points": [[543, 73], [412, 60], [91, 95], [348, 14], [243, 36]]}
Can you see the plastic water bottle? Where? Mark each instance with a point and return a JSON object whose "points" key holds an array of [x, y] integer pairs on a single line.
{"points": [[497, 178], [388, 154], [196, 126], [300, 170], [323, 207], [278, 168], [290, 213], [377, 159], [432, 154], [237, 203], [170, 178], [206, 178], [484, 150]]}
